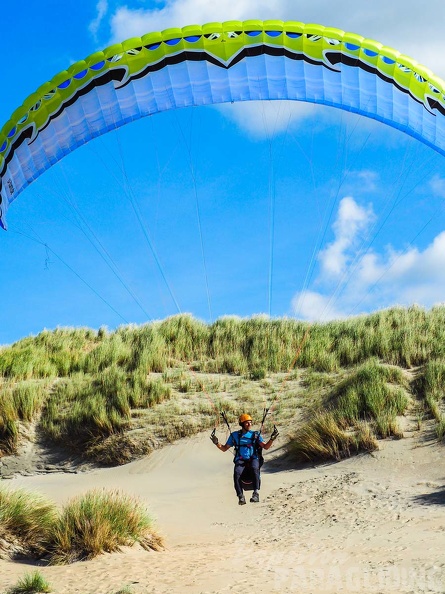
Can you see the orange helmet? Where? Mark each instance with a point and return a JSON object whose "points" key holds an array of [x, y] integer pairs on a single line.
{"points": [[243, 418]]}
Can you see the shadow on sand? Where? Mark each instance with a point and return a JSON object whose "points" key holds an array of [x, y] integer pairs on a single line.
{"points": [[283, 460], [436, 498]]}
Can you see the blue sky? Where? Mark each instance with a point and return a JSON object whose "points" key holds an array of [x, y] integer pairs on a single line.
{"points": [[358, 215]]}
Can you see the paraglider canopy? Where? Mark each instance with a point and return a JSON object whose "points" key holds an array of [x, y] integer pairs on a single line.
{"points": [[216, 63]]}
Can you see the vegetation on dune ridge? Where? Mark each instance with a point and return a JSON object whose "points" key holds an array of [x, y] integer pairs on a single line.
{"points": [[96, 522], [112, 396], [397, 336]]}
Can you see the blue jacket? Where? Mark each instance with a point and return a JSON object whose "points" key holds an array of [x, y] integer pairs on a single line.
{"points": [[244, 444]]}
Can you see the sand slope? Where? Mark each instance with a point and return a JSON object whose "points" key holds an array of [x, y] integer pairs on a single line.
{"points": [[369, 524]]}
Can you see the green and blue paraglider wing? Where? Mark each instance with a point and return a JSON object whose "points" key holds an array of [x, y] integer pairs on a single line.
{"points": [[216, 63]]}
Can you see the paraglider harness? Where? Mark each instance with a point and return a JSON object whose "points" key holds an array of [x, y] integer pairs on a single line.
{"points": [[247, 478]]}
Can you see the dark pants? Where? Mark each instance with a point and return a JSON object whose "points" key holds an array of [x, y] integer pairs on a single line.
{"points": [[238, 470]]}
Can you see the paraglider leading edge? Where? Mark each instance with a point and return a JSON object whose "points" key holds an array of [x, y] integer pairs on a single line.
{"points": [[216, 63]]}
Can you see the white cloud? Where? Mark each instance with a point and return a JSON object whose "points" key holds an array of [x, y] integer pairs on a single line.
{"points": [[178, 13], [351, 220], [313, 306], [425, 267], [404, 277], [102, 9], [375, 280]]}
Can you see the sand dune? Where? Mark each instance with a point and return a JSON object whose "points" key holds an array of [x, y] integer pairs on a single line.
{"points": [[369, 524]]}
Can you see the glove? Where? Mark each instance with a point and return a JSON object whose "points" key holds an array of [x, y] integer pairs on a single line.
{"points": [[274, 434], [214, 439]]}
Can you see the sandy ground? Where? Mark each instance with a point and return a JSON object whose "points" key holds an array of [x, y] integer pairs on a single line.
{"points": [[370, 524]]}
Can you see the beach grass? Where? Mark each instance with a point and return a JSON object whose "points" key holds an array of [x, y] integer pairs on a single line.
{"points": [[85, 410], [353, 413], [20, 402], [96, 522], [322, 438], [406, 337], [125, 590], [27, 522], [431, 384], [101, 521], [31, 583], [372, 392]]}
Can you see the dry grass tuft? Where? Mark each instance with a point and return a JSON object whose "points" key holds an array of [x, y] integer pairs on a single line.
{"points": [[101, 521], [31, 583], [353, 413], [26, 523], [323, 439]]}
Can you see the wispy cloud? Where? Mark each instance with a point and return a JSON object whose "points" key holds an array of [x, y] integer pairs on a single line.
{"points": [[367, 179], [102, 9], [437, 185], [313, 306]]}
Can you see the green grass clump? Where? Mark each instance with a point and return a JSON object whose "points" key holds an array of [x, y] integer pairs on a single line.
{"points": [[440, 428], [315, 380], [9, 428], [185, 338], [79, 412], [431, 385], [258, 373], [373, 393], [28, 398], [101, 521], [50, 354], [21, 401], [31, 583], [112, 350], [360, 408], [26, 522], [26, 361], [322, 439], [119, 449]]}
